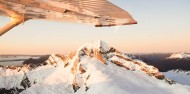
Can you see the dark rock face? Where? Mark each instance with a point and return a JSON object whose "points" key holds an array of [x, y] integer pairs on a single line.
{"points": [[36, 61], [170, 64], [170, 81], [33, 63], [25, 83], [10, 91]]}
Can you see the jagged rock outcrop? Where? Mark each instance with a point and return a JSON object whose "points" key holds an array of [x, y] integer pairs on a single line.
{"points": [[104, 54]]}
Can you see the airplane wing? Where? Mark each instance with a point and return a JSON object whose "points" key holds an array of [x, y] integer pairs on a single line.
{"points": [[96, 12]]}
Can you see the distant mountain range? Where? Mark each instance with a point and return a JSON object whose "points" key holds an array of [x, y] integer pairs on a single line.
{"points": [[166, 62], [179, 56], [15, 59], [163, 61]]}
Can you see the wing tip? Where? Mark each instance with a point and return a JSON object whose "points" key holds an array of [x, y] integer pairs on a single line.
{"points": [[109, 25]]}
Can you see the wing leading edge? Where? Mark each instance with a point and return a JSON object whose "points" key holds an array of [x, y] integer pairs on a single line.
{"points": [[96, 12]]}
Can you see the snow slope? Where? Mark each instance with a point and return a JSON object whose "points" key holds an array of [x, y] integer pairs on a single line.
{"points": [[95, 68], [180, 76], [179, 56]]}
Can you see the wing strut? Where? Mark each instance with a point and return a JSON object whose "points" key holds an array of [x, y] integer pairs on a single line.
{"points": [[16, 19], [10, 25]]}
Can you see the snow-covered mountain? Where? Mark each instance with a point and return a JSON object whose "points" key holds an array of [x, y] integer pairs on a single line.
{"points": [[179, 56], [95, 68], [180, 76]]}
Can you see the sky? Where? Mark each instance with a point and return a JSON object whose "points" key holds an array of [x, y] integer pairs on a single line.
{"points": [[163, 27]]}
